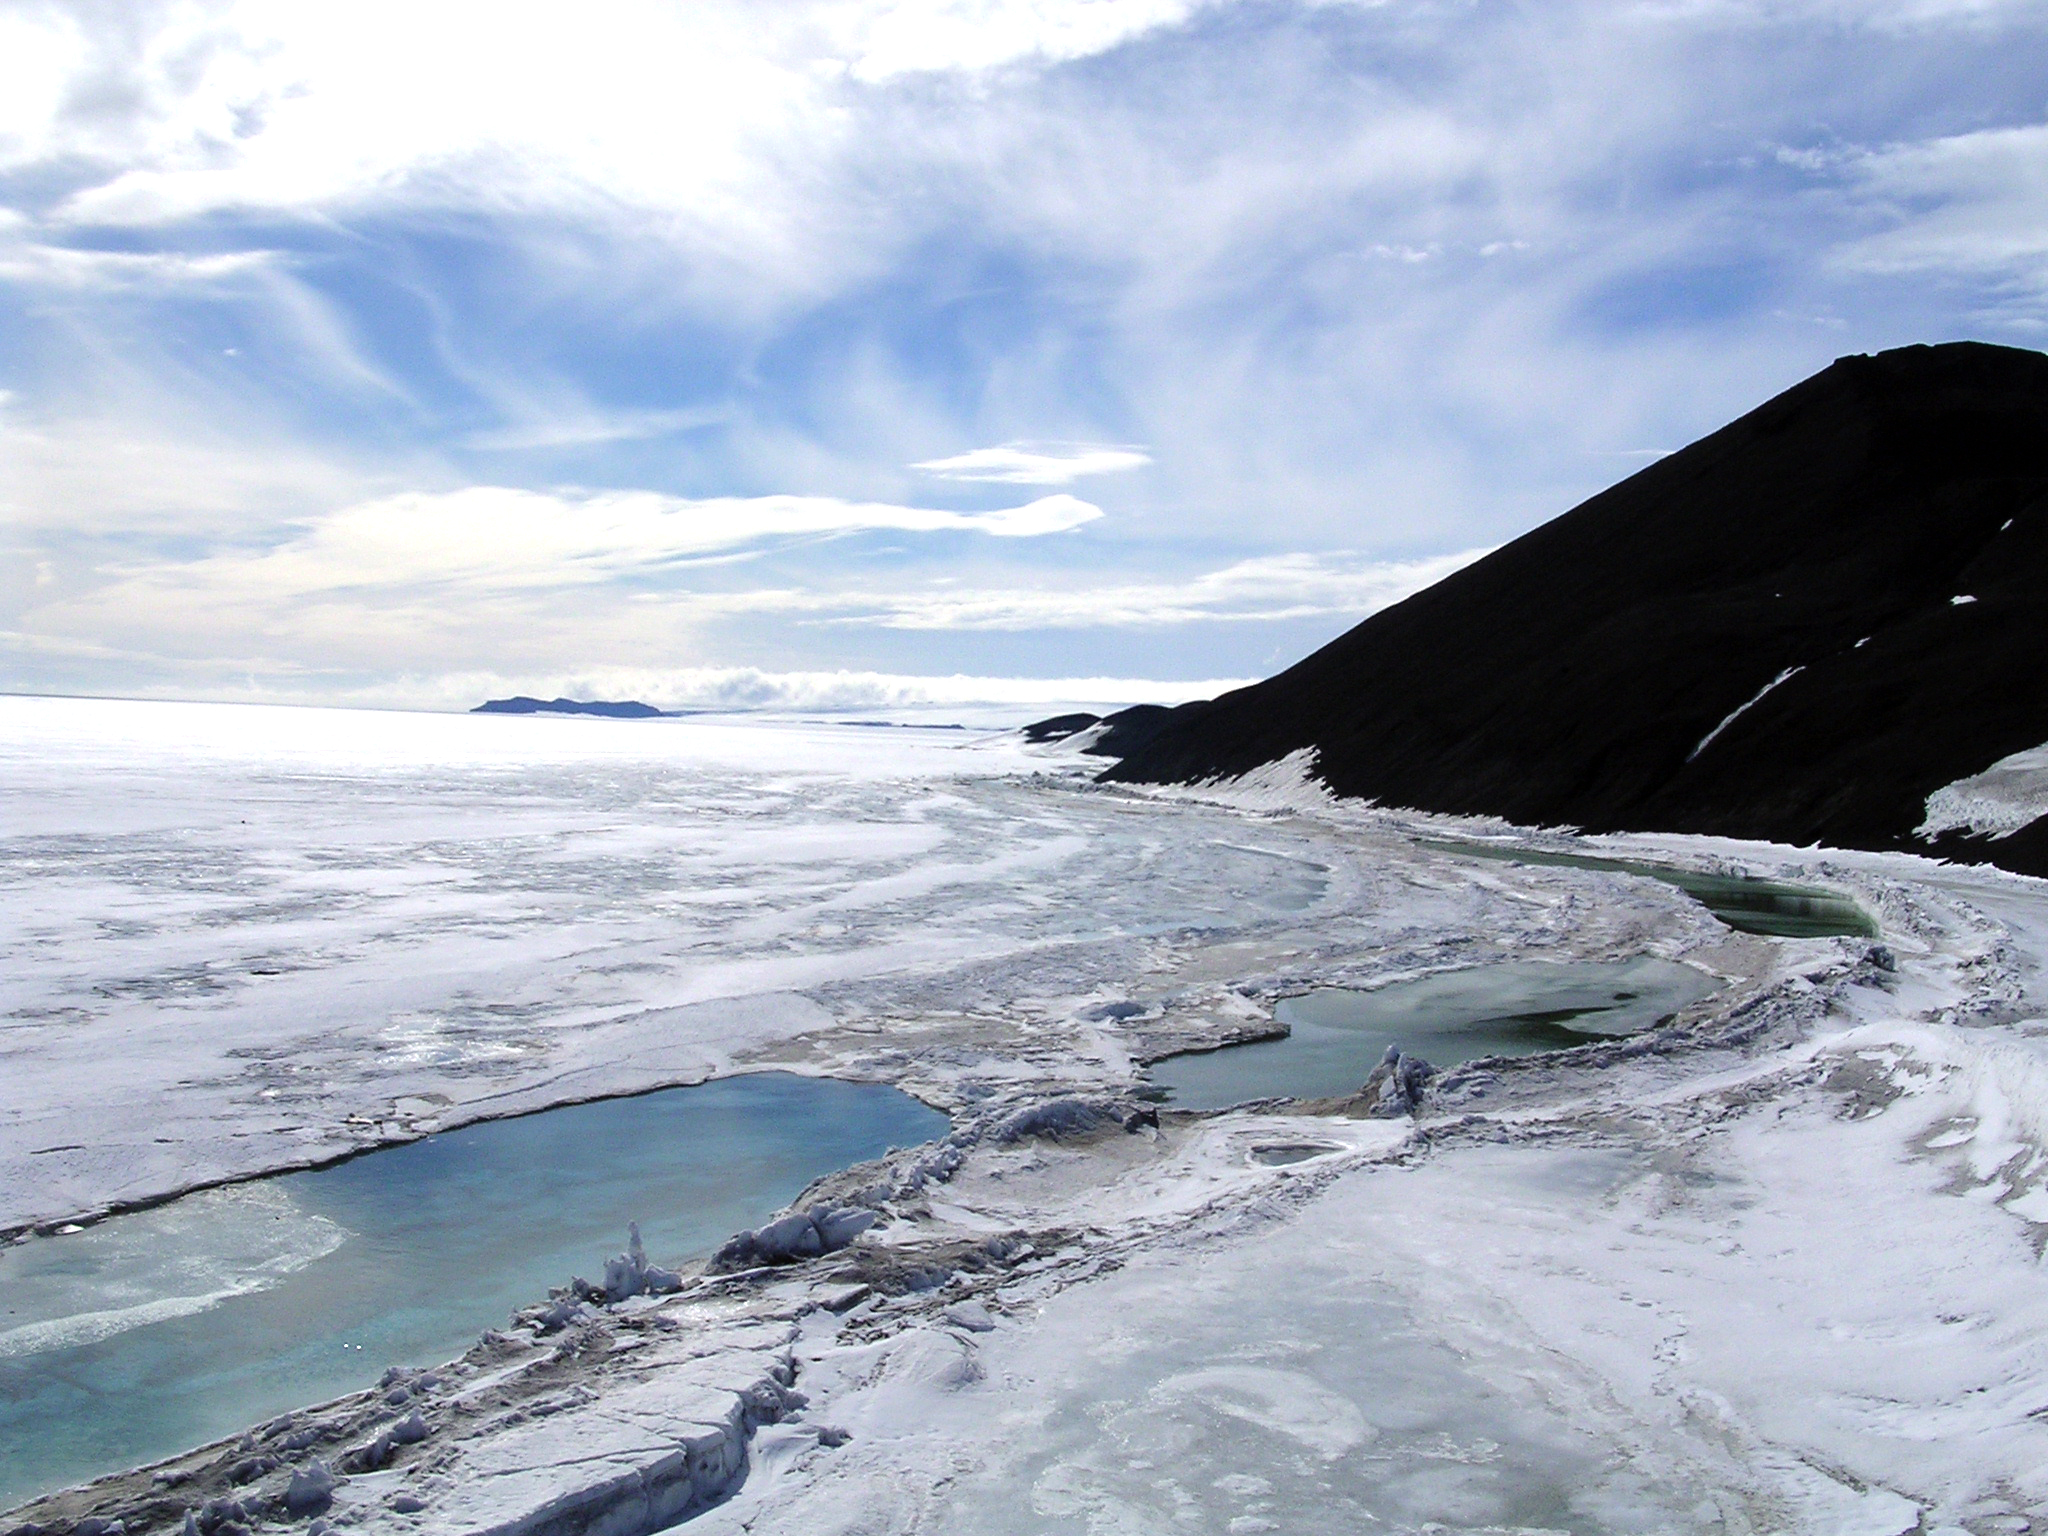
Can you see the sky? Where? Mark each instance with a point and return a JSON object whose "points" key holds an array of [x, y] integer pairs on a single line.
{"points": [[845, 353]]}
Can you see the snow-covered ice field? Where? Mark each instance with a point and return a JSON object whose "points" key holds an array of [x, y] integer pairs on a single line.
{"points": [[246, 938], [1774, 1267], [241, 938]]}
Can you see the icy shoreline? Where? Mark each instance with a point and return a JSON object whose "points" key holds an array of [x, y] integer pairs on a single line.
{"points": [[1771, 1267]]}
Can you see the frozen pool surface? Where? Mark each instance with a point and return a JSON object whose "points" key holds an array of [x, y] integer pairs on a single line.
{"points": [[144, 1335], [1292, 1393], [1746, 903], [1337, 1034]]}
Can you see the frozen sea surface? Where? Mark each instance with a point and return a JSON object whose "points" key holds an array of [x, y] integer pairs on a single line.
{"points": [[166, 1328], [240, 938], [1780, 1274]]}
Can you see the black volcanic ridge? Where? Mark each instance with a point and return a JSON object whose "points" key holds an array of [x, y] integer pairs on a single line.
{"points": [[1793, 630], [520, 704], [1120, 734]]}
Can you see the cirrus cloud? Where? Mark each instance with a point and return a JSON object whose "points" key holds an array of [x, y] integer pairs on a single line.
{"points": [[1036, 463], [1263, 590], [496, 538], [1965, 204]]}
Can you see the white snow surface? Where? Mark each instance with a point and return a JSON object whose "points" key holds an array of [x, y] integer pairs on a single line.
{"points": [[2009, 795], [1781, 1273], [1286, 784]]}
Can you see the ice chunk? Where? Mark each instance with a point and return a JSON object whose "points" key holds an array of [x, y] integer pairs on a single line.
{"points": [[2007, 796], [971, 1315], [629, 1274], [1398, 1083], [312, 1486], [622, 1278], [842, 1226], [794, 1236], [1055, 1118], [797, 1236]]}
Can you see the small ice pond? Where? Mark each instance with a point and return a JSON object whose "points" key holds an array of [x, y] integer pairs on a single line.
{"points": [[156, 1331], [1746, 903], [1338, 1034]]}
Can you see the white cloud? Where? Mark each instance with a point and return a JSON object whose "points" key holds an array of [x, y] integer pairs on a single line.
{"points": [[692, 109], [1264, 590], [163, 467], [1267, 589], [576, 428], [884, 38], [63, 267], [1972, 203], [481, 549], [1036, 463], [41, 54], [489, 539], [520, 585], [272, 679], [1349, 273], [1891, 15]]}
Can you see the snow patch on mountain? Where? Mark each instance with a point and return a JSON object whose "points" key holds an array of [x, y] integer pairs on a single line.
{"points": [[2009, 795], [1742, 709], [1285, 784]]}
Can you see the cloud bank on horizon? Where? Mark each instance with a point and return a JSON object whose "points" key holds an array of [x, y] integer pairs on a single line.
{"points": [[380, 353]]}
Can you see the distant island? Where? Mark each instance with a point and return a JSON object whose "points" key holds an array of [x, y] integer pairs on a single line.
{"points": [[626, 709]]}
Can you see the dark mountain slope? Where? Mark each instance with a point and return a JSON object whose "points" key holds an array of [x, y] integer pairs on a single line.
{"points": [[1571, 676], [1122, 733]]}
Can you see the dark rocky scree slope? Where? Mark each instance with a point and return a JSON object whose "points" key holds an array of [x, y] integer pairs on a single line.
{"points": [[1571, 677]]}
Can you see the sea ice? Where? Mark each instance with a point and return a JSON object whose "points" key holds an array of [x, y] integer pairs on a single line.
{"points": [[1773, 1268], [245, 938]]}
